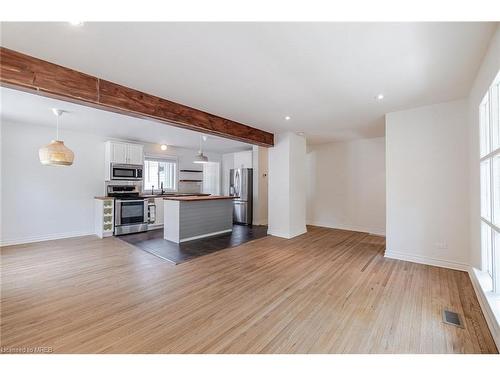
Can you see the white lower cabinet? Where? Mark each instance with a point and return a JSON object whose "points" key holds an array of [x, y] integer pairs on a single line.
{"points": [[159, 213], [104, 214], [159, 219], [159, 210]]}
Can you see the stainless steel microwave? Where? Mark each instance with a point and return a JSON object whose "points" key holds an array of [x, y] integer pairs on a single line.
{"points": [[131, 172]]}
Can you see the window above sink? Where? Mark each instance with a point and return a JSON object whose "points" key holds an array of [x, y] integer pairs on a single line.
{"points": [[158, 170]]}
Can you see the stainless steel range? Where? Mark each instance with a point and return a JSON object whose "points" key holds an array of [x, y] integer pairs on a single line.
{"points": [[131, 211]]}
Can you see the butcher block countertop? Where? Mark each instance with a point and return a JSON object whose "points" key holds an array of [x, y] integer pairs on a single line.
{"points": [[198, 198], [169, 195]]}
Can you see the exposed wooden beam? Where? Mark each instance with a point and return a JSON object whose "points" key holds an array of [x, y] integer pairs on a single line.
{"points": [[28, 73]]}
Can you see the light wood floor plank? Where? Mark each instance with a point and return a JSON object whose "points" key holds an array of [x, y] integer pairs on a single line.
{"points": [[327, 291]]}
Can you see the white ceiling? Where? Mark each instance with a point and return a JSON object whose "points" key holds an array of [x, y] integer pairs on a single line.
{"points": [[24, 108], [324, 75]]}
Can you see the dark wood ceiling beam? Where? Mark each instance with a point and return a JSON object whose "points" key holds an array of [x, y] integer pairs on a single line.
{"points": [[24, 72]]}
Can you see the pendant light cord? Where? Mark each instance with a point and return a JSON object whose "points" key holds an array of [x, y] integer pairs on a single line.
{"points": [[57, 129]]}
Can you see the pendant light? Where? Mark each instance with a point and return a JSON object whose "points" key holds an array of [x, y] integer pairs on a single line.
{"points": [[56, 153], [200, 158]]}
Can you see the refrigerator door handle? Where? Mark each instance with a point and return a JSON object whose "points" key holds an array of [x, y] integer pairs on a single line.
{"points": [[237, 182]]}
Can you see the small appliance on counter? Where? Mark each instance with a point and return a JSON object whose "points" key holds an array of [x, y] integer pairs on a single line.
{"points": [[131, 210]]}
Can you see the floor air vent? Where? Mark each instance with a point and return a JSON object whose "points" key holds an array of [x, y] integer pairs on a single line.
{"points": [[453, 318]]}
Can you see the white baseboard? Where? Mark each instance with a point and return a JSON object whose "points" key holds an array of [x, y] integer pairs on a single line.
{"points": [[354, 228], [427, 260], [47, 237], [483, 298], [259, 222], [286, 235]]}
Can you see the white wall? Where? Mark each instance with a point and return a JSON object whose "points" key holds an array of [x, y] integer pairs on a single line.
{"points": [[486, 74], [287, 186], [227, 165], [260, 185], [185, 157], [428, 185], [43, 202], [241, 159], [346, 185]]}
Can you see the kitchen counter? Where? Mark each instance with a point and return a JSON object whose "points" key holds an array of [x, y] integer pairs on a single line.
{"points": [[170, 195], [193, 198], [190, 218], [167, 195]]}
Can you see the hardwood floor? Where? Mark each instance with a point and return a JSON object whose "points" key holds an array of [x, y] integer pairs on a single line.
{"points": [[327, 291]]}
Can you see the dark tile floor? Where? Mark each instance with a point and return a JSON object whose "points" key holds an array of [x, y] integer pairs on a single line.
{"points": [[154, 243]]}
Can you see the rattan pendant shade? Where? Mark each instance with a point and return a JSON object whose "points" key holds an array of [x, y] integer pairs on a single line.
{"points": [[56, 153]]}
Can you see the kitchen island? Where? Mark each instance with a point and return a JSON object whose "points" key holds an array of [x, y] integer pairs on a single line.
{"points": [[192, 217]]}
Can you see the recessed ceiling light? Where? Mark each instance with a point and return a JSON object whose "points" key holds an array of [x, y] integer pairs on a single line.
{"points": [[380, 96], [287, 118], [163, 147], [76, 23]]}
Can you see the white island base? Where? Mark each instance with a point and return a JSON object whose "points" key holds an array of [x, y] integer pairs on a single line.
{"points": [[191, 218]]}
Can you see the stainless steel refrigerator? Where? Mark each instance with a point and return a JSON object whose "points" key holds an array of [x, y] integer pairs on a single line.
{"points": [[241, 186]]}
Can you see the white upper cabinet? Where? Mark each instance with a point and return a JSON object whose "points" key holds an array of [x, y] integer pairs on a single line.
{"points": [[122, 153], [135, 154], [118, 152]]}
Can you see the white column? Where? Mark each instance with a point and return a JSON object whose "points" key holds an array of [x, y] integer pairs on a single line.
{"points": [[260, 188], [287, 186]]}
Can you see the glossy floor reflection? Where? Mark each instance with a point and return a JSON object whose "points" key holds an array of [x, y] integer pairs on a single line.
{"points": [[154, 243]]}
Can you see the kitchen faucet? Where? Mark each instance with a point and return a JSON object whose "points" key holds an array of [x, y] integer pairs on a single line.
{"points": [[162, 191]]}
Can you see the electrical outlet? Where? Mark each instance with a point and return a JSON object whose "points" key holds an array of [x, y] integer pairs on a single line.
{"points": [[441, 245]]}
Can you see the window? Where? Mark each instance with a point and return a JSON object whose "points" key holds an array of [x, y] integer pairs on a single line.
{"points": [[485, 189], [211, 178], [484, 120], [486, 245], [158, 171], [489, 130]]}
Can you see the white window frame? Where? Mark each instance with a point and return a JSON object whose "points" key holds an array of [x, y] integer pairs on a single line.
{"points": [[162, 158], [492, 96]]}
